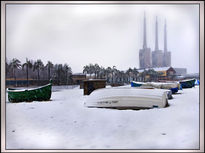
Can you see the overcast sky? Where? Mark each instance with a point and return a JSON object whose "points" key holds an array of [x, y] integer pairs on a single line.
{"points": [[110, 35]]}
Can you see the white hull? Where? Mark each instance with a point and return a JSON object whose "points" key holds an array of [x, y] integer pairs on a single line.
{"points": [[127, 98], [159, 85], [163, 85]]}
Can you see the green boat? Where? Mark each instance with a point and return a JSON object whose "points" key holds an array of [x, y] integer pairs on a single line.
{"points": [[42, 93], [188, 83]]}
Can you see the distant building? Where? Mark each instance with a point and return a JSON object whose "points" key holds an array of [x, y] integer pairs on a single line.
{"points": [[180, 71], [156, 58], [167, 54], [78, 78], [157, 55], [145, 56], [165, 73]]}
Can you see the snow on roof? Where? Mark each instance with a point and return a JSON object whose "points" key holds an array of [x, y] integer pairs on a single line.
{"points": [[90, 74], [155, 69], [78, 74]]}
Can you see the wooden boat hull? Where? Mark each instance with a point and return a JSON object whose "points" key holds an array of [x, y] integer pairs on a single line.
{"points": [[127, 98], [42, 93], [188, 83]]}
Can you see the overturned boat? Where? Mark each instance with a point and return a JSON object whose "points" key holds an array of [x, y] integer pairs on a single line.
{"points": [[127, 98], [42, 93], [189, 83], [174, 87], [169, 92]]}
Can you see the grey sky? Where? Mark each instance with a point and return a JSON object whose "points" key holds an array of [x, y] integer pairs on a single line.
{"points": [[110, 35]]}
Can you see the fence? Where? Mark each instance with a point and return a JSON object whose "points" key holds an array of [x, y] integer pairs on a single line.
{"points": [[23, 83]]}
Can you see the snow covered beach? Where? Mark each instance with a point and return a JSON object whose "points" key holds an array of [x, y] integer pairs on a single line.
{"points": [[65, 123]]}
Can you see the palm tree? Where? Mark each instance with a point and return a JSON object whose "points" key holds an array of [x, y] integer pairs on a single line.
{"points": [[7, 68], [86, 69], [143, 75], [59, 71], [122, 76], [38, 65], [129, 72], [68, 72], [96, 69], [113, 73], [15, 64], [28, 64], [108, 71], [118, 75], [49, 65], [102, 72], [92, 69], [135, 73]]}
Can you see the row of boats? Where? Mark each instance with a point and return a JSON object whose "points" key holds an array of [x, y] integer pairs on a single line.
{"points": [[138, 95]]}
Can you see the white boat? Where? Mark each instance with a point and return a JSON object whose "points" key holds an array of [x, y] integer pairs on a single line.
{"points": [[173, 86], [169, 92], [127, 98]]}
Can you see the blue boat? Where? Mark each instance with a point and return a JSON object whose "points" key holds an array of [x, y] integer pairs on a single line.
{"points": [[137, 84], [197, 82], [174, 90]]}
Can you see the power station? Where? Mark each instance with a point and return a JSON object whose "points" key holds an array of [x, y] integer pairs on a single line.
{"points": [[157, 57]]}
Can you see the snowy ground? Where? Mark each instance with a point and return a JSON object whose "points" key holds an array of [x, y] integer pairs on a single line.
{"points": [[64, 123]]}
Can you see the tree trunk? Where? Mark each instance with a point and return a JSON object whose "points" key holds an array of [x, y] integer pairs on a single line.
{"points": [[48, 72], [14, 75], [58, 78], [38, 77], [66, 78], [27, 74]]}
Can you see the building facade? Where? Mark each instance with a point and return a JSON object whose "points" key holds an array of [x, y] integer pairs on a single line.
{"points": [[164, 73], [145, 58], [78, 78]]}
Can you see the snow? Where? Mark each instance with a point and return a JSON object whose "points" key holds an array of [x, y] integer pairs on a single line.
{"points": [[65, 123], [155, 69]]}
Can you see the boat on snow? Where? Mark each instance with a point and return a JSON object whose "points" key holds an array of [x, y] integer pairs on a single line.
{"points": [[169, 92], [189, 83], [122, 98], [197, 82], [174, 87], [42, 93]]}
